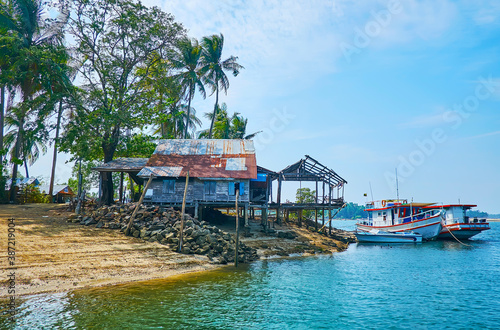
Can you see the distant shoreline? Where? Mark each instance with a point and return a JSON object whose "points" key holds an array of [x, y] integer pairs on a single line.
{"points": [[493, 220]]}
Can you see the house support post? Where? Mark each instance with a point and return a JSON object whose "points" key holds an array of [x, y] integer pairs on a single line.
{"points": [[278, 210], [330, 222], [237, 229], [196, 210], [316, 219]]}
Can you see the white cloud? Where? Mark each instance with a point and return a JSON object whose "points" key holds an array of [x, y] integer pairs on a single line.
{"points": [[426, 120]]}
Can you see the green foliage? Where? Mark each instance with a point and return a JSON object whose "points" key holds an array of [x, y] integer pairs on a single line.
{"points": [[31, 194], [226, 127], [306, 195], [213, 67], [477, 214], [90, 178], [186, 59], [352, 211], [136, 146]]}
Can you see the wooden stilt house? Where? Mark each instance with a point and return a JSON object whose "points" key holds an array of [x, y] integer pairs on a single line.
{"points": [[214, 166]]}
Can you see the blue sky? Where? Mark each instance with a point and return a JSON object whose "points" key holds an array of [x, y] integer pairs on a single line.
{"points": [[366, 88]]}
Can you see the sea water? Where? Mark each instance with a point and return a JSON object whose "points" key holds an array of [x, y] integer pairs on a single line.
{"points": [[434, 285]]}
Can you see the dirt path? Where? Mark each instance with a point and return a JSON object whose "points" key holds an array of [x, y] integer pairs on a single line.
{"points": [[53, 255]]}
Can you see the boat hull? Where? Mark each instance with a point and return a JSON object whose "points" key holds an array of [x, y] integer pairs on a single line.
{"points": [[462, 230], [388, 238], [429, 228]]}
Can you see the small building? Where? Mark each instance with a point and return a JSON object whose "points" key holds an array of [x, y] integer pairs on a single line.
{"points": [[216, 167], [61, 193], [22, 182]]}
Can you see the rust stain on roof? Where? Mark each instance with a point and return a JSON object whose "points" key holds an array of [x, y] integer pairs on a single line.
{"points": [[204, 158]]}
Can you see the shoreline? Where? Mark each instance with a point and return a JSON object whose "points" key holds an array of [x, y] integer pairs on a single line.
{"points": [[54, 255]]}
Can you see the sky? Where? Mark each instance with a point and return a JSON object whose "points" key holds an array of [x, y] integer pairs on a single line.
{"points": [[366, 88]]}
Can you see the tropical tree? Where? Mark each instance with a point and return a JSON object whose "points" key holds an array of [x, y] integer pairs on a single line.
{"points": [[33, 42], [226, 127], [34, 139], [114, 40], [186, 59], [166, 92], [213, 68]]}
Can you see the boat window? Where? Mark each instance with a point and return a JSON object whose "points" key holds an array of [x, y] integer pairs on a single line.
{"points": [[379, 214], [385, 213]]}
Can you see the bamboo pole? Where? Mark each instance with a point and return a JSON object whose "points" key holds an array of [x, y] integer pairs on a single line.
{"points": [[237, 228], [131, 220], [183, 211]]}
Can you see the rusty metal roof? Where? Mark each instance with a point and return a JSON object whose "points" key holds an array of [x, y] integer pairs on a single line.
{"points": [[203, 158], [123, 165]]}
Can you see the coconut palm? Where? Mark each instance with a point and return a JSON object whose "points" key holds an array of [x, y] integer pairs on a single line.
{"points": [[186, 59], [174, 124], [21, 21], [213, 68], [226, 127]]}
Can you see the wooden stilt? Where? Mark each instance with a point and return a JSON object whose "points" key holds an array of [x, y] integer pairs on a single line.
{"points": [[237, 228], [183, 210]]}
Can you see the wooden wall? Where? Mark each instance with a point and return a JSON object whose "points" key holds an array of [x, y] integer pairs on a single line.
{"points": [[196, 191]]}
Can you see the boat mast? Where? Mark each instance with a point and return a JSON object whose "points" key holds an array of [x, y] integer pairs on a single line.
{"points": [[397, 185]]}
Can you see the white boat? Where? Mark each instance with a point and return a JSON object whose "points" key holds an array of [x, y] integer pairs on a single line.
{"points": [[398, 216], [456, 223], [379, 236]]}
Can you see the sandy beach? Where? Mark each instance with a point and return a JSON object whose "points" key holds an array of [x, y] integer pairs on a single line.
{"points": [[53, 255]]}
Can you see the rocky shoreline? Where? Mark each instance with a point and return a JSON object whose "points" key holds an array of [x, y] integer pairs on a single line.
{"points": [[162, 225], [155, 224]]}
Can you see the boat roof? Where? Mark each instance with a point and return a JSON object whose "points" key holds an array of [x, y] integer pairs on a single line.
{"points": [[467, 206], [424, 205]]}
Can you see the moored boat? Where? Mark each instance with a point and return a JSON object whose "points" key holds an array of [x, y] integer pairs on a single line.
{"points": [[379, 236], [398, 216], [456, 223]]}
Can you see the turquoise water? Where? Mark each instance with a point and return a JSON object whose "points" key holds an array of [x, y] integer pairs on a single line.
{"points": [[435, 285]]}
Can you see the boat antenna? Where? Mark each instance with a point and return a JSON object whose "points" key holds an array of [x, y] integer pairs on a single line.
{"points": [[371, 192], [397, 184]]}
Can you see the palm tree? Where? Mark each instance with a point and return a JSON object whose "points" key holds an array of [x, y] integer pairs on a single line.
{"points": [[174, 124], [186, 59], [214, 67], [226, 127], [21, 19]]}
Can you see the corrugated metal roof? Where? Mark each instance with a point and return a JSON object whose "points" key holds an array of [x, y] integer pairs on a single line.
{"points": [[57, 189], [206, 158], [166, 171], [205, 147], [123, 165]]}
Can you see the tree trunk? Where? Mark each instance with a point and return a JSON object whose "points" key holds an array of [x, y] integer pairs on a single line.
{"points": [[2, 112], [107, 182], [15, 160], [189, 111], [215, 109], [54, 157], [26, 168]]}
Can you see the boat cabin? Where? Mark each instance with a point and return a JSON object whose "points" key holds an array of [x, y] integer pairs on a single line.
{"points": [[394, 212]]}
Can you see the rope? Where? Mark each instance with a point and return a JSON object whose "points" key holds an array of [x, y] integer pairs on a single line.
{"points": [[454, 235]]}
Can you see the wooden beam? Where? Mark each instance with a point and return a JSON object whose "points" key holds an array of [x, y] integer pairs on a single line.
{"points": [[183, 210], [131, 220]]}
